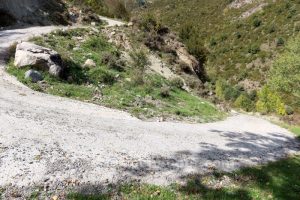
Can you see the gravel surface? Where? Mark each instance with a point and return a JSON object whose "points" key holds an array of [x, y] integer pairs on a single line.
{"points": [[52, 140]]}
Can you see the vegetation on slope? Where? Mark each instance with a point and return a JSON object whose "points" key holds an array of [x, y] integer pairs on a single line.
{"points": [[238, 46], [111, 8], [114, 82]]}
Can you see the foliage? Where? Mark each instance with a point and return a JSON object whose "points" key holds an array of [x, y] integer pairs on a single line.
{"points": [[139, 62], [244, 102], [165, 92], [111, 8], [228, 38], [225, 91], [149, 23], [269, 102], [177, 82], [128, 86], [285, 73]]}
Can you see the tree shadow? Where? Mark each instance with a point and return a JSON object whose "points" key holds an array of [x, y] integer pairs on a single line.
{"points": [[280, 179]]}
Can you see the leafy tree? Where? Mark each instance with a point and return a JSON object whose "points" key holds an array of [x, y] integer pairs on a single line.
{"points": [[269, 101], [285, 73]]}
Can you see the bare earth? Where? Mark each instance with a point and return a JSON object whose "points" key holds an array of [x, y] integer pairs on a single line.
{"points": [[44, 138]]}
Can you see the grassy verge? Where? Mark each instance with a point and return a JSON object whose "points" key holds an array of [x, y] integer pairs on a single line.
{"points": [[293, 128], [278, 180], [114, 81]]}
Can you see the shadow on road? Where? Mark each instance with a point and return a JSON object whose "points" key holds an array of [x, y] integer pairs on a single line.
{"points": [[280, 178]]}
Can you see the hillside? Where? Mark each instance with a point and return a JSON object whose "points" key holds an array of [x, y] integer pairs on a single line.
{"points": [[137, 103], [241, 39], [38, 12]]}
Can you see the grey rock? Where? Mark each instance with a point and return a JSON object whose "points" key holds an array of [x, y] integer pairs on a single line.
{"points": [[33, 75], [29, 54], [89, 63]]}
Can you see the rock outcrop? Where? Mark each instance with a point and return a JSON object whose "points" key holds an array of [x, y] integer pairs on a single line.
{"points": [[34, 11], [29, 54]]}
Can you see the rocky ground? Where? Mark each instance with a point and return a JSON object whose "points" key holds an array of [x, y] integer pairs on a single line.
{"points": [[53, 143]]}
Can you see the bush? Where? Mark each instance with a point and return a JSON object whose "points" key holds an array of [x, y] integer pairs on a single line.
{"points": [[177, 83], [165, 92], [186, 31], [285, 73], [113, 61], [244, 102], [140, 62], [149, 23], [224, 91], [269, 102], [99, 75], [254, 49], [280, 42], [256, 22], [12, 50]]}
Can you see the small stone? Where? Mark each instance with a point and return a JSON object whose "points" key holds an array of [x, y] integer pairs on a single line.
{"points": [[76, 49], [54, 197], [93, 23], [89, 63], [33, 75]]}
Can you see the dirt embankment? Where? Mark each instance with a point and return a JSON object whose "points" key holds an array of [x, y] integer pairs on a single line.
{"points": [[32, 12]]}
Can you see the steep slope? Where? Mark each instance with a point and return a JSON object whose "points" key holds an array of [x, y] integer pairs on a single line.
{"points": [[242, 37], [33, 11], [240, 40]]}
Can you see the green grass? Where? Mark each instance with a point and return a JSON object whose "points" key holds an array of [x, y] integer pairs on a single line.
{"points": [[293, 128], [114, 83], [278, 180]]}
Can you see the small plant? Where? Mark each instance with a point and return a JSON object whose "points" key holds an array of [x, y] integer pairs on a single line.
{"points": [[140, 62], [99, 75], [12, 50], [165, 91], [254, 49], [177, 83], [257, 22], [244, 102], [269, 102], [280, 42], [224, 91]]}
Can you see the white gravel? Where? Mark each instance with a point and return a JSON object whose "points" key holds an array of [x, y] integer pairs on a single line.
{"points": [[44, 138]]}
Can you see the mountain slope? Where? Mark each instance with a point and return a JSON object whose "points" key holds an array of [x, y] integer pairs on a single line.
{"points": [[241, 40], [242, 37]]}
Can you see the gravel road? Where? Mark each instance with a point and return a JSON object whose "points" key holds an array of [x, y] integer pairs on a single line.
{"points": [[50, 139]]}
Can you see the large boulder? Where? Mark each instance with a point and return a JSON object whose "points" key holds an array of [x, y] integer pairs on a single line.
{"points": [[29, 54]]}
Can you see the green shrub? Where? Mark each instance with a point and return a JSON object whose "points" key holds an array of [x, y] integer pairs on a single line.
{"points": [[224, 91], [285, 73], [220, 87], [186, 31], [244, 102], [280, 42], [140, 62], [177, 83], [269, 101], [165, 92], [149, 23], [254, 49], [256, 22], [99, 75]]}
